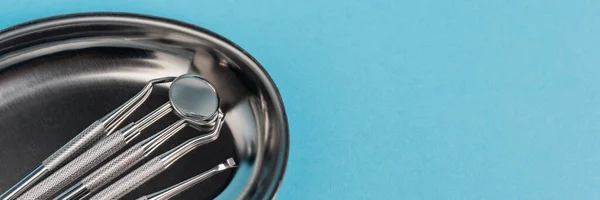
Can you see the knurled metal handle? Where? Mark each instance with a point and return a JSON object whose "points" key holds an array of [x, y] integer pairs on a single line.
{"points": [[75, 146], [114, 168], [76, 168], [131, 181]]}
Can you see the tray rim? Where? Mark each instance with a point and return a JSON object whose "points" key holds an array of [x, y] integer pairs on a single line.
{"points": [[15, 30]]}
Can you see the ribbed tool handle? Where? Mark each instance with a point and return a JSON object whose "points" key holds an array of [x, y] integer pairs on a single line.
{"points": [[76, 168], [114, 168], [75, 146], [131, 181]]}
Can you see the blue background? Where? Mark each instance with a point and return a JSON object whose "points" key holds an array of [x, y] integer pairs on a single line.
{"points": [[391, 99]]}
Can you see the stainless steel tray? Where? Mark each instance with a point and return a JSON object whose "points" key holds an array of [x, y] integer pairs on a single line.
{"points": [[59, 74]]}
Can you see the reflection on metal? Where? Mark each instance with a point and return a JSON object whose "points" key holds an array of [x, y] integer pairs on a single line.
{"points": [[174, 190], [191, 97], [104, 127], [91, 55]]}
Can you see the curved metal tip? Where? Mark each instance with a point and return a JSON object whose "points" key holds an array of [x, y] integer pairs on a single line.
{"points": [[117, 116], [162, 80], [172, 155], [229, 163], [174, 190]]}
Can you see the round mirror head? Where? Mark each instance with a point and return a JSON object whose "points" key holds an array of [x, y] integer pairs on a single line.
{"points": [[194, 98]]}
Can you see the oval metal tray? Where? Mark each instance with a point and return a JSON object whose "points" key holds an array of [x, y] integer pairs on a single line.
{"points": [[59, 74]]}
